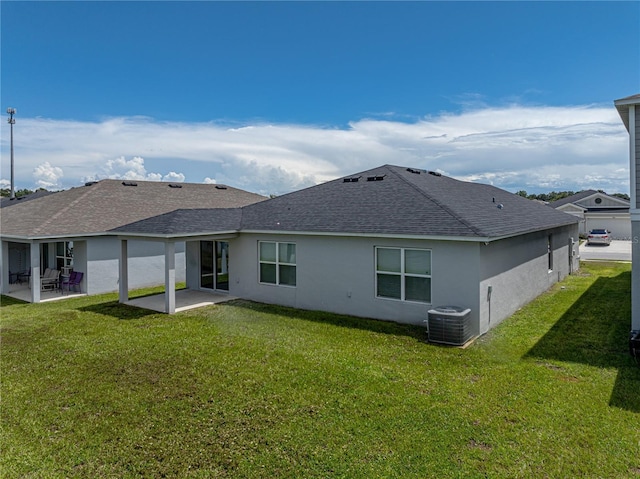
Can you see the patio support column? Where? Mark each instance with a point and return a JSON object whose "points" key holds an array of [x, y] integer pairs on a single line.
{"points": [[35, 271], [4, 268], [123, 273], [170, 277]]}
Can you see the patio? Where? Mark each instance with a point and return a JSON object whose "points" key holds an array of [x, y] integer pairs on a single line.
{"points": [[22, 291], [185, 299]]}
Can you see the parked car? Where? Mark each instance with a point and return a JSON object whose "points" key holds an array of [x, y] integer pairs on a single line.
{"points": [[599, 236]]}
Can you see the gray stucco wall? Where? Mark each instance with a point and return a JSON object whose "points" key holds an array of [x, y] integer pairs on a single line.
{"points": [[517, 271], [635, 277], [635, 228], [146, 264], [338, 275], [637, 154]]}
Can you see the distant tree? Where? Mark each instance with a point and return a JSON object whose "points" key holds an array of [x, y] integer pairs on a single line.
{"points": [[21, 192], [558, 195], [624, 196], [547, 197]]}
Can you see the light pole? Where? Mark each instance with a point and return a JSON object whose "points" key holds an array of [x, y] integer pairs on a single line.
{"points": [[12, 121]]}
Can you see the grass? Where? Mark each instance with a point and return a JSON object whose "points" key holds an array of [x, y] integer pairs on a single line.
{"points": [[91, 388]]}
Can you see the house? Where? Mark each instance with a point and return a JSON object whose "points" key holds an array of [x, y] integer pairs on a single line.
{"points": [[629, 111], [389, 243], [71, 229], [598, 210]]}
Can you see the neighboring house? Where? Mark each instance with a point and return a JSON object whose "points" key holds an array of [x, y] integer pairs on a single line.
{"points": [[70, 229], [597, 210], [629, 110], [390, 243]]}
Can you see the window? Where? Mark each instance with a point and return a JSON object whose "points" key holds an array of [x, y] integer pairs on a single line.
{"points": [[277, 263], [64, 254], [549, 253], [404, 274]]}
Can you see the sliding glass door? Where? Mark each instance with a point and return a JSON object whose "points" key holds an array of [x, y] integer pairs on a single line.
{"points": [[214, 265]]}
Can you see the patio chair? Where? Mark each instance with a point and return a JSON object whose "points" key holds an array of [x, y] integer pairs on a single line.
{"points": [[74, 279], [51, 280]]}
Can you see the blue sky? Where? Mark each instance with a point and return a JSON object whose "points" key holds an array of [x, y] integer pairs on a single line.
{"points": [[275, 96]]}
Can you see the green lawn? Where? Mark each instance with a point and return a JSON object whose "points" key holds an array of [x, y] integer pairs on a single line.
{"points": [[94, 389]]}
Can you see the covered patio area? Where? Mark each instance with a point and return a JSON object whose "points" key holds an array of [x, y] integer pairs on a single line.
{"points": [[204, 285]]}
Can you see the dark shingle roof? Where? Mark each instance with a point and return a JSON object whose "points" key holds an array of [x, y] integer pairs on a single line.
{"points": [[399, 202], [403, 203], [578, 197], [573, 198], [109, 204], [185, 222]]}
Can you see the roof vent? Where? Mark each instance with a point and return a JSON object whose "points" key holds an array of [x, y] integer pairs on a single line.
{"points": [[375, 178], [353, 179], [435, 173], [129, 183], [174, 185], [89, 183], [414, 171], [221, 187], [500, 206]]}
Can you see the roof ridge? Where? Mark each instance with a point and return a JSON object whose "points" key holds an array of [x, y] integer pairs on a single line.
{"points": [[65, 209], [441, 205]]}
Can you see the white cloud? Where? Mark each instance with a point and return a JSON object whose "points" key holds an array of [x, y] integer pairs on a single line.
{"points": [[515, 147], [47, 176], [174, 177], [209, 181], [134, 169]]}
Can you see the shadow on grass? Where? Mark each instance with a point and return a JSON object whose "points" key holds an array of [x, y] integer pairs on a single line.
{"points": [[9, 301], [595, 332], [118, 310], [334, 319]]}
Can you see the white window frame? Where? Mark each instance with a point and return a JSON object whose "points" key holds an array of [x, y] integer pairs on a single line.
{"points": [[67, 254], [277, 263], [403, 274]]}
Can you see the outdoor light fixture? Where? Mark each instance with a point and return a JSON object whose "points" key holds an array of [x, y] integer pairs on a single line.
{"points": [[12, 121]]}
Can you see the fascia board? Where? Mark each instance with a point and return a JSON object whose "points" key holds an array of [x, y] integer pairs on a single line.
{"points": [[66, 237], [631, 100], [571, 206], [369, 235], [178, 237]]}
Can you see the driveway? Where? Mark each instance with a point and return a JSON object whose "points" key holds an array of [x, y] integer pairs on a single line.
{"points": [[618, 250]]}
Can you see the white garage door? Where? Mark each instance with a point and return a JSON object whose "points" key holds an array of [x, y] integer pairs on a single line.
{"points": [[620, 227]]}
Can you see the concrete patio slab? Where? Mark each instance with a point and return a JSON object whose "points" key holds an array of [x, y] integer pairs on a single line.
{"points": [[23, 293], [185, 299]]}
